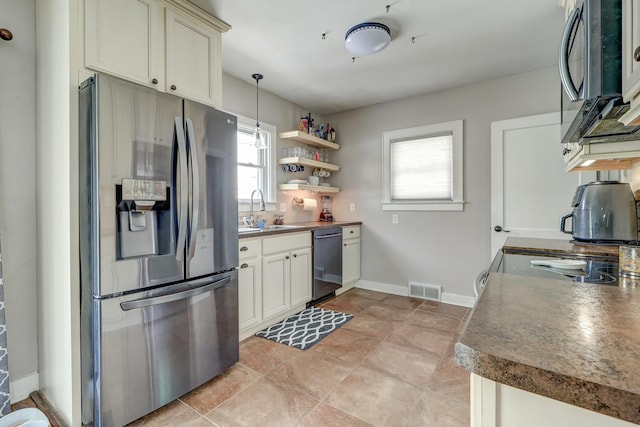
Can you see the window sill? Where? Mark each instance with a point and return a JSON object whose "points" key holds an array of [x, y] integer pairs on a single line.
{"points": [[424, 206], [245, 206]]}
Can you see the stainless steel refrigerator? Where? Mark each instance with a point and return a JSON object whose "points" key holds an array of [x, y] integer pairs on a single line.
{"points": [[158, 248]]}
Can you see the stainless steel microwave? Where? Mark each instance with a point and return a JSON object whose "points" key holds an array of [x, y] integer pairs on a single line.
{"points": [[591, 75]]}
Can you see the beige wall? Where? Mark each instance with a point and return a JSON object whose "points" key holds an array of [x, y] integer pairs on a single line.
{"points": [[17, 192], [443, 248]]}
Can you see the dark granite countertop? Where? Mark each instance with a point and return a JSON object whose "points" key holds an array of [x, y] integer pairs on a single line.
{"points": [[557, 246], [574, 342], [299, 226]]}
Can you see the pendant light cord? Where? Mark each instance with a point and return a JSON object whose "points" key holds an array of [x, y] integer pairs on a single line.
{"points": [[257, 78]]}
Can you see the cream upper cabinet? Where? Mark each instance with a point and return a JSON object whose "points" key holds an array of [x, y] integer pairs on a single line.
{"points": [[170, 45], [120, 39], [192, 59], [631, 60], [630, 43]]}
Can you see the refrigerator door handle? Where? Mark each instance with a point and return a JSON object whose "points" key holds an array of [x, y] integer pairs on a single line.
{"points": [[195, 188], [176, 296], [184, 188]]}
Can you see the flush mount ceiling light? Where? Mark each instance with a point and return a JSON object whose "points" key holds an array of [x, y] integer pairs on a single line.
{"points": [[259, 144], [367, 38]]}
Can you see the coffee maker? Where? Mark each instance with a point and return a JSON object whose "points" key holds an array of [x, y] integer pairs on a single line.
{"points": [[325, 214]]}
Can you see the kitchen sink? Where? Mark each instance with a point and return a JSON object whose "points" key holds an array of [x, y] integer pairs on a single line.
{"points": [[266, 228]]}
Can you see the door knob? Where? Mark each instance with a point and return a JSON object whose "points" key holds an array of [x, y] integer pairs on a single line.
{"points": [[499, 229]]}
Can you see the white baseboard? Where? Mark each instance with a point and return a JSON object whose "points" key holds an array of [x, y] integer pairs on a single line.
{"points": [[447, 298], [455, 299], [21, 388], [383, 287]]}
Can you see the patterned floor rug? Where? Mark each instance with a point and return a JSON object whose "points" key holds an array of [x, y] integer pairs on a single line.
{"points": [[306, 328]]}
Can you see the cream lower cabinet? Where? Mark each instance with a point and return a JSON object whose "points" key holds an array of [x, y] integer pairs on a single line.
{"points": [[350, 257], [274, 284], [498, 405], [169, 45], [250, 283]]}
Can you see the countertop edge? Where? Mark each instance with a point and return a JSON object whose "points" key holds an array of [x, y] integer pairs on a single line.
{"points": [[299, 228], [595, 397]]}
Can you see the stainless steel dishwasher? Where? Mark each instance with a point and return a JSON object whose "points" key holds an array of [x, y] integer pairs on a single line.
{"points": [[327, 262]]}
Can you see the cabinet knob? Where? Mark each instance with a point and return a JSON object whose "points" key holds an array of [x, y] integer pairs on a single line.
{"points": [[287, 257], [244, 249], [245, 265], [6, 34], [636, 54], [295, 255], [499, 229], [345, 244], [351, 232], [173, 87], [154, 81]]}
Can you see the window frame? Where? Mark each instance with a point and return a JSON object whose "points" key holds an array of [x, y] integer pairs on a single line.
{"points": [[270, 161], [454, 128]]}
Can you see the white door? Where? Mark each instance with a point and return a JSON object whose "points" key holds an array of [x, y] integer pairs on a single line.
{"points": [[530, 190]]}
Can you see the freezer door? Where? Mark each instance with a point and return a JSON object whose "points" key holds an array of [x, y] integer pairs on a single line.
{"points": [[212, 243], [131, 146], [156, 346]]}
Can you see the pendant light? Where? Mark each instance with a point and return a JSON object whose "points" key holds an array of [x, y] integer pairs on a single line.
{"points": [[259, 144]]}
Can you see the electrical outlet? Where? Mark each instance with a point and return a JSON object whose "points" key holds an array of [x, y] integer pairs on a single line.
{"points": [[394, 218], [352, 207], [283, 207]]}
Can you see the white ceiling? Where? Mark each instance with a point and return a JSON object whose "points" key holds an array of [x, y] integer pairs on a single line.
{"points": [[456, 42]]}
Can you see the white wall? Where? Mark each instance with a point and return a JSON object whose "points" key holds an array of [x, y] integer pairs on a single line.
{"points": [[17, 192], [444, 248]]}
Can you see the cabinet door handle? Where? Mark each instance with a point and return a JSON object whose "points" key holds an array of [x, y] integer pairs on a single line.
{"points": [[244, 249], [173, 87], [154, 81], [636, 54], [245, 265]]}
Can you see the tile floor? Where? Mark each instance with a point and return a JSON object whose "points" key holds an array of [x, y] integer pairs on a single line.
{"points": [[391, 365]]}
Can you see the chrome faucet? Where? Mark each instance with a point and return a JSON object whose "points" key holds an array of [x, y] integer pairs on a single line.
{"points": [[262, 206]]}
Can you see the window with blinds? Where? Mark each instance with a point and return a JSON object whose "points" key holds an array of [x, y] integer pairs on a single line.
{"points": [[423, 168]]}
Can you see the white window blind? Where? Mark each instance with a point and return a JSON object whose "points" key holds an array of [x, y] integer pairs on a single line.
{"points": [[421, 168]]}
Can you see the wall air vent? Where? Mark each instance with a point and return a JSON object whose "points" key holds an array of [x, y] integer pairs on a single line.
{"points": [[425, 291]]}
